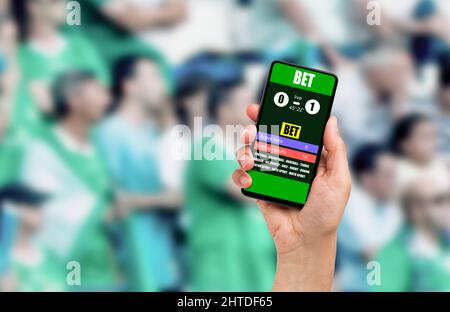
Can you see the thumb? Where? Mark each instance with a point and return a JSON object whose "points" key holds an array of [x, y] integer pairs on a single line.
{"points": [[336, 161]]}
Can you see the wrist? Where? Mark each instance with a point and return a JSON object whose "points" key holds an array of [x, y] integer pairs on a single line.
{"points": [[309, 267]]}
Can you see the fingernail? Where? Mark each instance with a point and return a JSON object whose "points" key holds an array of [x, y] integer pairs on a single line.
{"points": [[336, 126], [245, 134], [244, 181], [244, 161]]}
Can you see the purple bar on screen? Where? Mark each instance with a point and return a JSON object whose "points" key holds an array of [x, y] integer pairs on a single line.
{"points": [[274, 139]]}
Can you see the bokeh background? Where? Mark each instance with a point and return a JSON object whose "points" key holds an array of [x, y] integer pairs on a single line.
{"points": [[93, 198]]}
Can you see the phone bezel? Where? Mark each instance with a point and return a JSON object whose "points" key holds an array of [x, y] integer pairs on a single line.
{"points": [[280, 200]]}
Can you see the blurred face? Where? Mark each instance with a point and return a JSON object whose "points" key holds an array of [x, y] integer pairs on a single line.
{"points": [[8, 36], [234, 111], [380, 183], [422, 144], [91, 102], [444, 99], [401, 73], [395, 76], [30, 217], [4, 5], [148, 85], [47, 11], [430, 204], [3, 125], [195, 105]]}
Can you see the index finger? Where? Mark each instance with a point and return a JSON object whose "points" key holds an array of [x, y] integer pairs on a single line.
{"points": [[253, 111]]}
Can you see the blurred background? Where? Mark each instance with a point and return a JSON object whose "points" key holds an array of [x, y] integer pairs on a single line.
{"points": [[94, 198]]}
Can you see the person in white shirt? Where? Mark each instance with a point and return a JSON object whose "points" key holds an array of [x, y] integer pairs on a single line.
{"points": [[415, 141], [442, 114], [373, 94], [372, 217]]}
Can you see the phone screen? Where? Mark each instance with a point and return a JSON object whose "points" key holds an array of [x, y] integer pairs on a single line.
{"points": [[295, 109]]}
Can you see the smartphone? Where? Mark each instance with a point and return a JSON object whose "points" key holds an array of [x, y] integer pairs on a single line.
{"points": [[295, 108]]}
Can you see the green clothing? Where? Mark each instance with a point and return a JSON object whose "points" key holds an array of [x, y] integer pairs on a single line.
{"points": [[274, 29], [230, 245], [113, 41], [44, 276], [11, 155], [408, 264], [36, 67], [80, 195]]}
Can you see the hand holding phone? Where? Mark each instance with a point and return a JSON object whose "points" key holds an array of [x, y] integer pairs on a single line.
{"points": [[300, 163], [295, 108], [305, 239], [329, 193]]}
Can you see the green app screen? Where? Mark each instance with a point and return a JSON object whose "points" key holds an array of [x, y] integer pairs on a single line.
{"points": [[295, 109]]}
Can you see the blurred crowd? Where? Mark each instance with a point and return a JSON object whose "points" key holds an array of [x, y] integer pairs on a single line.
{"points": [[93, 199]]}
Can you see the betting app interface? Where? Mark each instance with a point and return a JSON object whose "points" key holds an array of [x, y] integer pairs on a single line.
{"points": [[295, 111]]}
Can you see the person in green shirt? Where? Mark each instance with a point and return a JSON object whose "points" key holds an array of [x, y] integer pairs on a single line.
{"points": [[132, 142], [65, 164], [230, 247], [418, 258], [111, 26], [11, 155], [9, 152], [30, 269], [45, 52]]}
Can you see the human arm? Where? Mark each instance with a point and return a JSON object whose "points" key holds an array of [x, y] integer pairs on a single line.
{"points": [[298, 16], [137, 17], [306, 239], [8, 84], [167, 199]]}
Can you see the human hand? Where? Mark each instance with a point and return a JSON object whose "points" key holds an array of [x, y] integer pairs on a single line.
{"points": [[303, 235], [122, 205]]}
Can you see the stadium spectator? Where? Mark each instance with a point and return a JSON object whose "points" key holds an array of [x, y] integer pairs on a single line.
{"points": [[372, 217], [64, 164], [376, 92], [229, 244], [30, 268], [442, 114], [45, 52], [112, 26], [416, 260], [414, 139], [130, 140]]}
